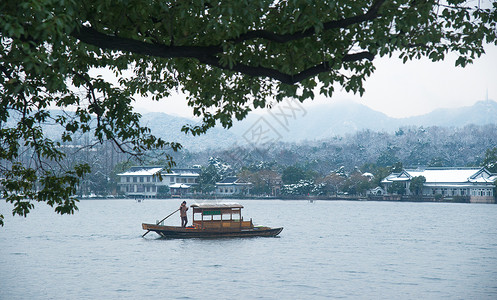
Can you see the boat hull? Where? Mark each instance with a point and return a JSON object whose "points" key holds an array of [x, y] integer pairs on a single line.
{"points": [[191, 232]]}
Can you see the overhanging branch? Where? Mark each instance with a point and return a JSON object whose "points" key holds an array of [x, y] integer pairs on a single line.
{"points": [[371, 14], [283, 77], [93, 37], [208, 54]]}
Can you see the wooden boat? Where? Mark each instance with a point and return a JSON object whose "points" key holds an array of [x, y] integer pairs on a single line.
{"points": [[214, 221]]}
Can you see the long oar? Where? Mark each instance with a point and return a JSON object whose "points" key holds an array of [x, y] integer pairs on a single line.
{"points": [[161, 221]]}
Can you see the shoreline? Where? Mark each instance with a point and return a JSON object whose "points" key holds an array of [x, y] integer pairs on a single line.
{"points": [[303, 198]]}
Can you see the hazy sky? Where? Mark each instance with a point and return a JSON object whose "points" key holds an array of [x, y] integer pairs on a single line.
{"points": [[397, 89]]}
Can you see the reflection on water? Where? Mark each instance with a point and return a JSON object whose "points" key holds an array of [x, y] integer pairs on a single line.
{"points": [[328, 249]]}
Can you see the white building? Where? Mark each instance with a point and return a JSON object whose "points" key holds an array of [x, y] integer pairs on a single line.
{"points": [[145, 181], [475, 183], [139, 181], [180, 181], [233, 186]]}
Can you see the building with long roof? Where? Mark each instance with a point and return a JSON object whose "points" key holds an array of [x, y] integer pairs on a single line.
{"points": [[144, 181], [233, 185], [475, 183]]}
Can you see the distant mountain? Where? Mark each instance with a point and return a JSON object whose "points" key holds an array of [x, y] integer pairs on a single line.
{"points": [[314, 123], [340, 118], [322, 121], [162, 125], [481, 113], [169, 128]]}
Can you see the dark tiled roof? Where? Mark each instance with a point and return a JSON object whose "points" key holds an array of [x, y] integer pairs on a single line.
{"points": [[231, 179]]}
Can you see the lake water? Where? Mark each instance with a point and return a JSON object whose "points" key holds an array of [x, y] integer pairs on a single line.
{"points": [[327, 250]]}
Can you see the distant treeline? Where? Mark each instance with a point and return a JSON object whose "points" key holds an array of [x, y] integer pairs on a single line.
{"points": [[411, 146], [365, 151]]}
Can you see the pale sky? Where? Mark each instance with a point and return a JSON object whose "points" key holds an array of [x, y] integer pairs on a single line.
{"points": [[397, 89]]}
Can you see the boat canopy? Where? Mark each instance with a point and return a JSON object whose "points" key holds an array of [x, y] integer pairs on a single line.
{"points": [[216, 205], [217, 212]]}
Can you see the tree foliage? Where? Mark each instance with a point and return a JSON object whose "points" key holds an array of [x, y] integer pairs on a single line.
{"points": [[416, 185], [293, 174], [397, 187], [207, 179], [357, 184], [263, 180], [333, 183], [490, 160], [301, 188], [228, 56]]}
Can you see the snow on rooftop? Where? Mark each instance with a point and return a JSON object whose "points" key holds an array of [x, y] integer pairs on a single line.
{"points": [[144, 171], [445, 175], [179, 186], [217, 204], [141, 172], [174, 173]]}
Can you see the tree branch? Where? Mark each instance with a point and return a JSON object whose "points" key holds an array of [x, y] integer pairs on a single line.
{"points": [[371, 14], [280, 76], [91, 36], [207, 54]]}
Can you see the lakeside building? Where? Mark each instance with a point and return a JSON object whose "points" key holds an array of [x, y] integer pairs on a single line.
{"points": [[233, 186], [475, 183], [144, 182]]}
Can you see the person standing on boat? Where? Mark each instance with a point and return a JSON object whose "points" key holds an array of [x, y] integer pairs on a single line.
{"points": [[182, 212]]}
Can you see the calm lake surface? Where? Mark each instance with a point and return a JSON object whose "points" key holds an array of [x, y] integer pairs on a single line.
{"points": [[327, 250]]}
